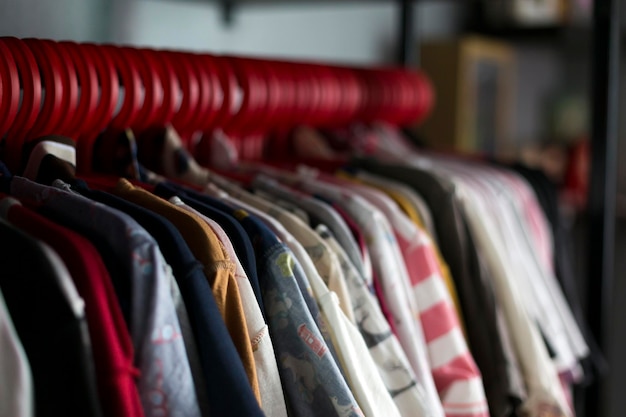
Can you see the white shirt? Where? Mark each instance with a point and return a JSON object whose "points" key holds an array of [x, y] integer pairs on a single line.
{"points": [[16, 380], [360, 370], [390, 268], [272, 396]]}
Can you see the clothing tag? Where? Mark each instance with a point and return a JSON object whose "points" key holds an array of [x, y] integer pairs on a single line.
{"points": [[176, 201], [307, 172], [63, 186]]}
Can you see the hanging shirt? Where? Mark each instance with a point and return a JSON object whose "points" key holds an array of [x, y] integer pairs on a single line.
{"points": [[311, 378], [407, 198], [218, 269], [204, 202], [299, 253], [16, 384], [456, 376], [111, 342], [165, 383], [238, 237], [184, 267], [544, 387], [529, 214], [488, 340], [325, 261], [539, 293], [391, 361], [321, 214], [49, 317], [228, 389], [272, 396], [415, 208], [390, 268], [359, 368], [547, 195]]}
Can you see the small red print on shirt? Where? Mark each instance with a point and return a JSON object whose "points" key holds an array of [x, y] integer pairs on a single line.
{"points": [[315, 344]]}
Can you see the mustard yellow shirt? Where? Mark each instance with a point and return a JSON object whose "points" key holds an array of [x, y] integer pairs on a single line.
{"points": [[218, 268], [406, 206]]}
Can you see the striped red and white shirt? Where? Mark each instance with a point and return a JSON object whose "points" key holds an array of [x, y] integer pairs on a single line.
{"points": [[456, 376]]}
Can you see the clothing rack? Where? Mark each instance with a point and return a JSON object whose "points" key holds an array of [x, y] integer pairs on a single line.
{"points": [[202, 92]]}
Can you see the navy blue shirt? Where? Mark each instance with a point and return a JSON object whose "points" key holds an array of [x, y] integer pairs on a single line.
{"points": [[229, 391], [220, 213], [293, 317]]}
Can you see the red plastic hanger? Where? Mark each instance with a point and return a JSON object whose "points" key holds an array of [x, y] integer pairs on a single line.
{"points": [[149, 85], [108, 90], [231, 102], [70, 92], [352, 94], [30, 82], [253, 93], [284, 93], [217, 94], [55, 103], [204, 116], [169, 84], [108, 96], [129, 79], [230, 90], [307, 100], [267, 116], [188, 82], [244, 103], [10, 87], [198, 115], [83, 120]]}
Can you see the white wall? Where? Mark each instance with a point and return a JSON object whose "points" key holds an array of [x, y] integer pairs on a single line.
{"points": [[353, 32], [79, 20], [358, 32]]}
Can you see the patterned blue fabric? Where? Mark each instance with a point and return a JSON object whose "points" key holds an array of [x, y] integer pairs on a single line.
{"points": [[311, 378]]}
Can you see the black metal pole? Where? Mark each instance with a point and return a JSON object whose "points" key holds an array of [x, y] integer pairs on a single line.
{"points": [[407, 39], [228, 7], [603, 177]]}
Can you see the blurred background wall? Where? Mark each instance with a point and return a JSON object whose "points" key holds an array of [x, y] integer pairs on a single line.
{"points": [[351, 32]]}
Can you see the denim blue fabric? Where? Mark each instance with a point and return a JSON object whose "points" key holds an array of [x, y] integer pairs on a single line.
{"points": [[311, 378]]}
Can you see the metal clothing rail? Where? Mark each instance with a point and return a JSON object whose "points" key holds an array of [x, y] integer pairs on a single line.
{"points": [[603, 178], [196, 93]]}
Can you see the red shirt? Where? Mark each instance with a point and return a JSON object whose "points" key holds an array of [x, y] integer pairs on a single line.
{"points": [[111, 342]]}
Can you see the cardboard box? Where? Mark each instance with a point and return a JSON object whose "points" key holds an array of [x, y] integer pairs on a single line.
{"points": [[473, 79]]}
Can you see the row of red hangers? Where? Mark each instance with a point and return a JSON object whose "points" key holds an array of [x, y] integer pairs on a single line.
{"points": [[77, 90]]}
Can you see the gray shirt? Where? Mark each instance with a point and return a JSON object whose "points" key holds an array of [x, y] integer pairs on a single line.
{"points": [[165, 382]]}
